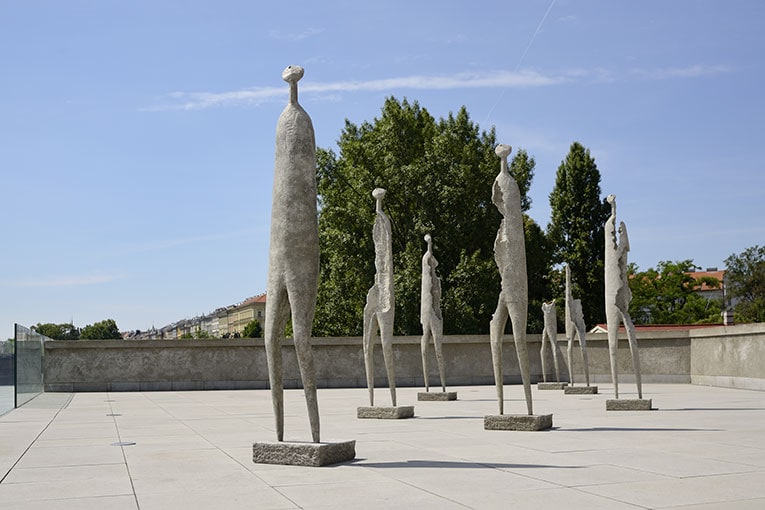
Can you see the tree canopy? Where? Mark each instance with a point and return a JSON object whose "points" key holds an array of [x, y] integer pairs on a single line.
{"points": [[66, 331], [103, 330], [253, 329], [438, 176], [746, 284], [576, 230], [668, 295]]}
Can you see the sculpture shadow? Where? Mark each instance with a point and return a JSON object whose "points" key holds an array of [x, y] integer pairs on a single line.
{"points": [[716, 409], [448, 417], [637, 429], [441, 464]]}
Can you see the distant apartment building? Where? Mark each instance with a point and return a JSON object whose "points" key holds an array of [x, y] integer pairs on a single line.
{"points": [[242, 314]]}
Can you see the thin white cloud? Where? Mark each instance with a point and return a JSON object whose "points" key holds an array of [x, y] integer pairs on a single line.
{"points": [[67, 281], [499, 79], [259, 95], [694, 71], [295, 36]]}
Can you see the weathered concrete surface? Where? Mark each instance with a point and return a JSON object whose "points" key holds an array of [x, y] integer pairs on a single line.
{"points": [[524, 422], [551, 385], [729, 356], [629, 404], [580, 390], [725, 356], [385, 413], [303, 454], [436, 395]]}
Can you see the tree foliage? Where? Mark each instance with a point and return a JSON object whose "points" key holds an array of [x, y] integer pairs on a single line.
{"points": [[103, 330], [576, 230], [438, 176], [668, 295], [253, 329], [64, 331], [746, 284]]}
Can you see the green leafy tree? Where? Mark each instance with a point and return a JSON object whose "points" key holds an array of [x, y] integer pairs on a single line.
{"points": [[253, 329], [103, 330], [746, 284], [201, 333], [667, 295], [58, 331], [576, 233], [438, 175]]}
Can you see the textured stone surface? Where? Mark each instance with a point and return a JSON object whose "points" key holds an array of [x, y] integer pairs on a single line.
{"points": [[436, 395], [575, 326], [293, 254], [381, 306], [303, 454], [551, 385], [627, 404], [385, 413], [549, 333], [430, 314], [510, 256], [618, 296], [580, 390], [526, 422]]}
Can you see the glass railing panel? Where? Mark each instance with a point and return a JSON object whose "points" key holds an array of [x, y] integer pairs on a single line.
{"points": [[29, 347]]}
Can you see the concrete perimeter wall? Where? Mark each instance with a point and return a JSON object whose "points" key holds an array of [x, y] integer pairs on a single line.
{"points": [[726, 356]]}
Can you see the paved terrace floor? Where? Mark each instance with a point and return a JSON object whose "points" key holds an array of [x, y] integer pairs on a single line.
{"points": [[704, 448]]}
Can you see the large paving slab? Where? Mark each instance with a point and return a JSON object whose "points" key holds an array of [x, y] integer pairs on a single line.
{"points": [[701, 449]]}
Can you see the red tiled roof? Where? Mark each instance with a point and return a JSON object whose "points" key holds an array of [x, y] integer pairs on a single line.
{"points": [[260, 298]]}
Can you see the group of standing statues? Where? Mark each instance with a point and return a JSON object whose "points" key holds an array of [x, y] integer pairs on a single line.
{"points": [[294, 272]]}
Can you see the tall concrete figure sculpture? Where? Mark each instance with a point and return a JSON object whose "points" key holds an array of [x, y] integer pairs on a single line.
{"points": [[432, 323], [575, 327], [293, 278], [380, 307], [510, 255], [618, 296], [549, 333], [293, 263]]}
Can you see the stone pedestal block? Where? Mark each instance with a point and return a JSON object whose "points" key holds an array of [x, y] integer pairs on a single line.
{"points": [[580, 390], [385, 413], [626, 404], [529, 422], [440, 395], [303, 454], [551, 385]]}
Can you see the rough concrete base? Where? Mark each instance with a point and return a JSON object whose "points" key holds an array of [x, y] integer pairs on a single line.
{"points": [[528, 422], [440, 395], [626, 404], [580, 390], [385, 413], [303, 454], [551, 385]]}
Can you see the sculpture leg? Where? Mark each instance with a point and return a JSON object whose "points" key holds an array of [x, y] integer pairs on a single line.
{"points": [[370, 332], [518, 318], [386, 335], [554, 347], [277, 313], [496, 332], [612, 320], [583, 347], [632, 338], [424, 353], [438, 327], [569, 355], [543, 355], [301, 327]]}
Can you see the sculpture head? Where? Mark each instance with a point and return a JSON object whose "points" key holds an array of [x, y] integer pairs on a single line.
{"points": [[611, 199], [503, 151], [292, 74], [428, 239], [378, 194]]}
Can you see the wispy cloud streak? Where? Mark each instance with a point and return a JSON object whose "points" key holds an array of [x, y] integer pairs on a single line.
{"points": [[478, 80]]}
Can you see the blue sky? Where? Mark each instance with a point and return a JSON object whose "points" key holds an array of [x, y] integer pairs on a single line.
{"points": [[137, 138]]}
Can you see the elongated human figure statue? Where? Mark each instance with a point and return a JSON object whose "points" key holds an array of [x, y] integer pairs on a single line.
{"points": [[430, 313], [549, 333], [575, 328], [380, 307], [293, 260], [510, 256], [618, 296]]}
